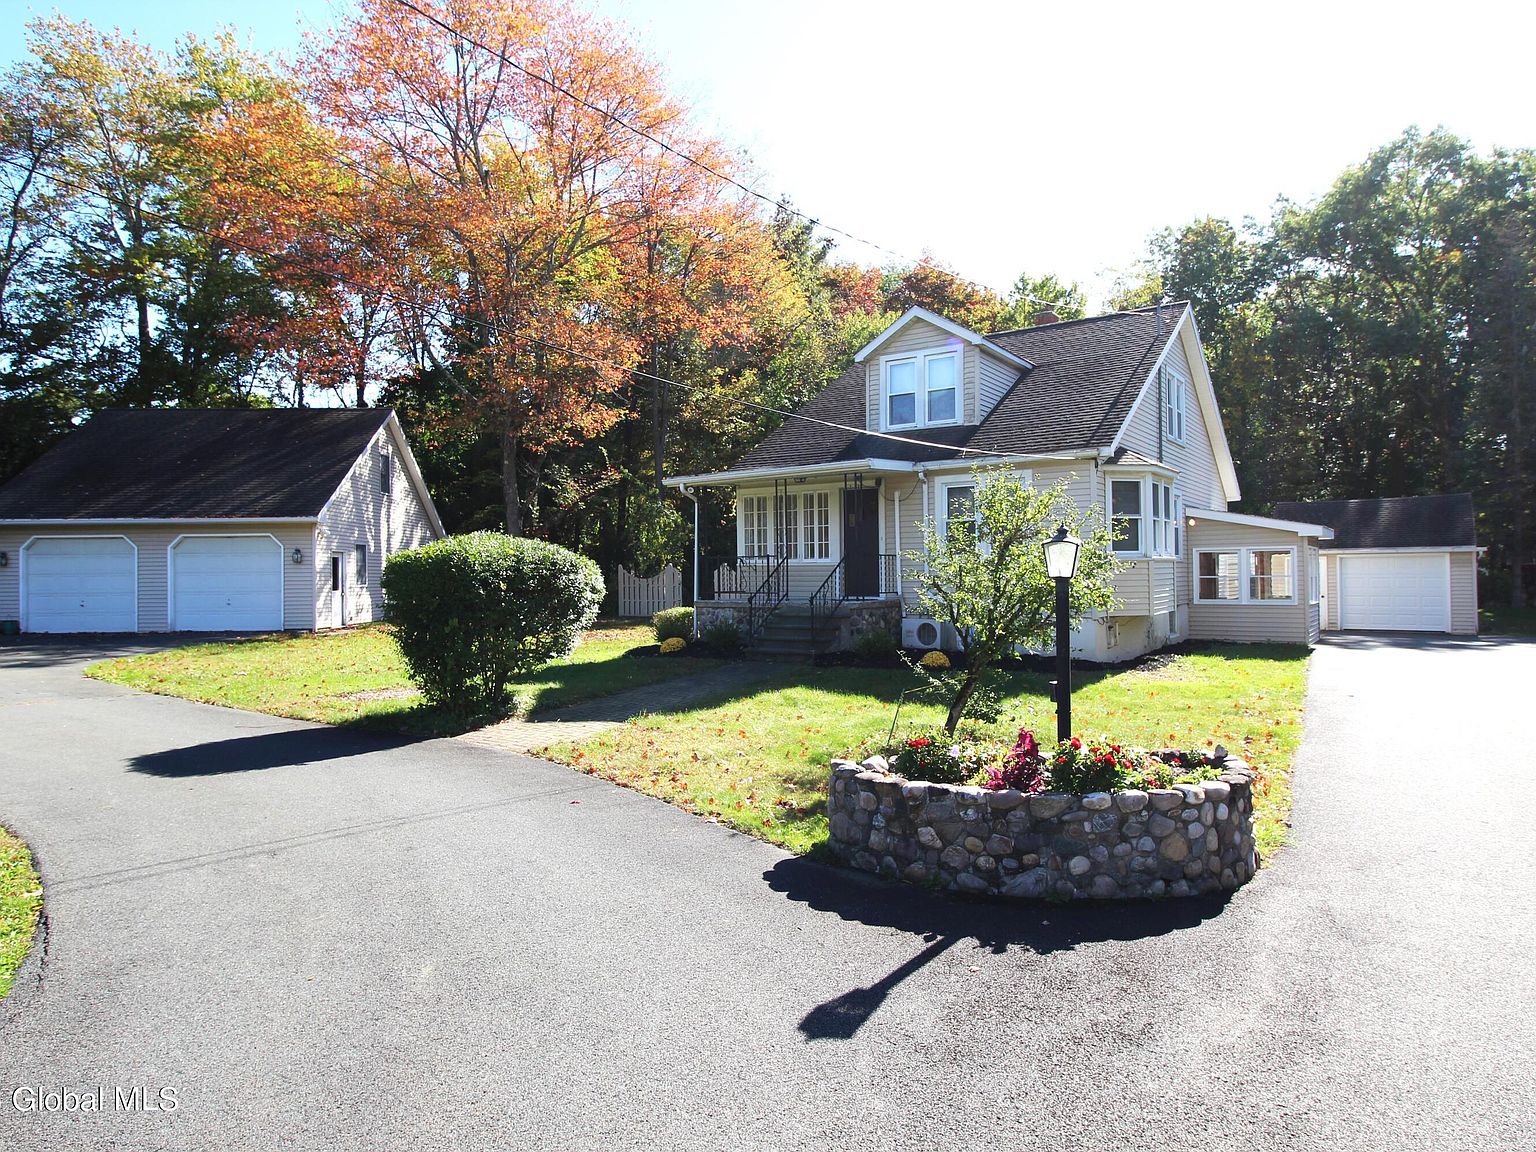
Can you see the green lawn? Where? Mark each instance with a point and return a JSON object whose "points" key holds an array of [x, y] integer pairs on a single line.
{"points": [[1506, 621], [21, 899], [356, 676], [759, 762]]}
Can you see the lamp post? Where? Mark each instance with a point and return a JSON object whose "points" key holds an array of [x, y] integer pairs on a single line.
{"points": [[1061, 565]]}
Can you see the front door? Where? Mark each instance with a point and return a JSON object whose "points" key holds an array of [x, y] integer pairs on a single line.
{"points": [[338, 590], [861, 542]]}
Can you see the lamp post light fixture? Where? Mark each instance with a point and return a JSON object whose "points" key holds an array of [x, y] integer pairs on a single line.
{"points": [[1061, 565]]}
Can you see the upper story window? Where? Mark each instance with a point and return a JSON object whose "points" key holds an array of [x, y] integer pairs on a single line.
{"points": [[386, 473], [922, 388], [1175, 400]]}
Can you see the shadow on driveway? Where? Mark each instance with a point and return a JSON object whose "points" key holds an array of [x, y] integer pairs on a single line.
{"points": [[942, 921], [286, 749]]}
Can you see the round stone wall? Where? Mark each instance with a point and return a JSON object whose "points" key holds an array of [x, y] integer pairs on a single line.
{"points": [[1175, 841]]}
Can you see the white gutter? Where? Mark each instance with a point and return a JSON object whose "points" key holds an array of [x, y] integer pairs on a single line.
{"points": [[58, 523], [1320, 531], [874, 464]]}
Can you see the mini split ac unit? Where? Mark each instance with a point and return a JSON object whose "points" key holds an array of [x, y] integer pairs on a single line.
{"points": [[919, 632]]}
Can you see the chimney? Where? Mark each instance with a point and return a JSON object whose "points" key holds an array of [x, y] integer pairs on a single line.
{"points": [[1046, 317]]}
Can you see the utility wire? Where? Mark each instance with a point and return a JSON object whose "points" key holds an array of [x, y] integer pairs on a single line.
{"points": [[439, 315], [777, 202]]}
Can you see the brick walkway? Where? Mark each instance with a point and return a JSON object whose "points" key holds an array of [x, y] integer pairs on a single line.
{"points": [[583, 721]]}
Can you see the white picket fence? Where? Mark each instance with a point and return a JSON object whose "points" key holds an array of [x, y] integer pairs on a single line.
{"points": [[645, 595]]}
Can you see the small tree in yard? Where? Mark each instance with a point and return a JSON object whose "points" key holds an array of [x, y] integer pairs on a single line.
{"points": [[472, 613], [986, 574]]}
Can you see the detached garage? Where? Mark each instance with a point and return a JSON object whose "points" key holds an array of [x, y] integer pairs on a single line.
{"points": [[177, 520], [1407, 564]]}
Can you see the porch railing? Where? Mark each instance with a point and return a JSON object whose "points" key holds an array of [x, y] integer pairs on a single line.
{"points": [[767, 597], [826, 600], [734, 577]]}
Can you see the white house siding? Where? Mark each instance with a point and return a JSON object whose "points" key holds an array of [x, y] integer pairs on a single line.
{"points": [[1331, 593], [920, 336], [995, 378], [153, 542], [1464, 593], [1195, 459], [359, 513], [1251, 623]]}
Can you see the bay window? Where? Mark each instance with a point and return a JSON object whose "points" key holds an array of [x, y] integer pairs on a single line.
{"points": [[1125, 511], [922, 388]]}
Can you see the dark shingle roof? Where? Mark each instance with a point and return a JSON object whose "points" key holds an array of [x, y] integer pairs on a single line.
{"points": [[1395, 522], [1085, 376], [176, 463]]}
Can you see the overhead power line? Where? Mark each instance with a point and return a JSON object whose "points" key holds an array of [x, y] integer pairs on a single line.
{"points": [[775, 201], [439, 315]]}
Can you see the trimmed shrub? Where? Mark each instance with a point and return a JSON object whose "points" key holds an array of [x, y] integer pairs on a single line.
{"points": [[673, 644], [471, 613], [673, 622], [934, 661], [877, 646], [723, 636]]}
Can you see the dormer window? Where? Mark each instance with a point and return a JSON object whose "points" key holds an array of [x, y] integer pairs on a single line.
{"points": [[922, 388]]}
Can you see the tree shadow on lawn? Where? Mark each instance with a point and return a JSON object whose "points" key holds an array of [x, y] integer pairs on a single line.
{"points": [[286, 749], [942, 920]]}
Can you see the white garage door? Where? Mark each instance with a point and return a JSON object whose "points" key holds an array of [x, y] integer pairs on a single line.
{"points": [[1408, 592], [80, 585], [226, 584]]}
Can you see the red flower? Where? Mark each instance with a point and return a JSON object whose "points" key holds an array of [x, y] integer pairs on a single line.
{"points": [[1076, 743]]}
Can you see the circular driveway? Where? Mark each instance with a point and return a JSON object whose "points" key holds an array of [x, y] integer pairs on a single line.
{"points": [[324, 941]]}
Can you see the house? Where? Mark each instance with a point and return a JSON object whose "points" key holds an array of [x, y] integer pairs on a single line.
{"points": [[831, 505], [1407, 564], [190, 520]]}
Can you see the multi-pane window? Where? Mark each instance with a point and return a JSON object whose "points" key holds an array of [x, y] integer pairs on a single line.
{"points": [[786, 525], [959, 509], [1271, 574], [754, 525], [1125, 512], [1218, 577], [923, 388], [1162, 519], [1175, 391], [818, 526]]}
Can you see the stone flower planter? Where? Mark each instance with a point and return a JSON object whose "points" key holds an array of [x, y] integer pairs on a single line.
{"points": [[1177, 841]]}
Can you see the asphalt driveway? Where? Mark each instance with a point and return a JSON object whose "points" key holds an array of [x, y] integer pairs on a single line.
{"points": [[324, 941]]}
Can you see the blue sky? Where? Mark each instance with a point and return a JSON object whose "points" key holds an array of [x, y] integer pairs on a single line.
{"points": [[1008, 136]]}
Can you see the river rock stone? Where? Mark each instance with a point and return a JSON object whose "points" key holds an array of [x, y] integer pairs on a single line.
{"points": [[1049, 804], [877, 763], [1103, 888], [999, 845], [928, 838], [1173, 848], [957, 857], [973, 845], [967, 882], [1079, 865], [1217, 790], [1131, 800], [1097, 801], [1165, 799], [1159, 825], [1005, 800], [1031, 885]]}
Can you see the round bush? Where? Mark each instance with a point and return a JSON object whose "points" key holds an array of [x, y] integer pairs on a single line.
{"points": [[471, 613], [673, 644], [673, 623]]}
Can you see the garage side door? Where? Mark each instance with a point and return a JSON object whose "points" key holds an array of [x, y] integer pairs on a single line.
{"points": [[80, 585], [226, 584], [1409, 592]]}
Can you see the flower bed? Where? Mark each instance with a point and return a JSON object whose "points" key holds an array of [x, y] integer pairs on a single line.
{"points": [[1179, 840]]}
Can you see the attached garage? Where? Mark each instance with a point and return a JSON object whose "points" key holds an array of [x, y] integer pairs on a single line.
{"points": [[79, 584], [1405, 564], [226, 584]]}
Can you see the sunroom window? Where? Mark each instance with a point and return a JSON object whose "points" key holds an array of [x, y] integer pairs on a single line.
{"points": [[754, 525], [1272, 574], [1218, 576]]}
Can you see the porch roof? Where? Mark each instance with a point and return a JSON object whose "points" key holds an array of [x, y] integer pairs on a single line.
{"points": [[746, 475]]}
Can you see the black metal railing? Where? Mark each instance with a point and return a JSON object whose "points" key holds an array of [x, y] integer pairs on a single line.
{"points": [[827, 599], [733, 577], [765, 600]]}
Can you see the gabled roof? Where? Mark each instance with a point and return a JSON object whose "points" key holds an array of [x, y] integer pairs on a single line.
{"points": [[1083, 380], [179, 463], [1394, 522], [943, 324]]}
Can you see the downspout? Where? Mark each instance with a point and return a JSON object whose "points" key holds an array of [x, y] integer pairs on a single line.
{"points": [[896, 492], [688, 492], [922, 475]]}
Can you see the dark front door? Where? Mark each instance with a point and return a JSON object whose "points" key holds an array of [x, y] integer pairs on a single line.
{"points": [[861, 541]]}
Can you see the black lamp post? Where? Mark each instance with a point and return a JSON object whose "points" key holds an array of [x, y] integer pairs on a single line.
{"points": [[1061, 565]]}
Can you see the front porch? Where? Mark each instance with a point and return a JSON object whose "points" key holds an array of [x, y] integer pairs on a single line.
{"points": [[817, 559]]}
